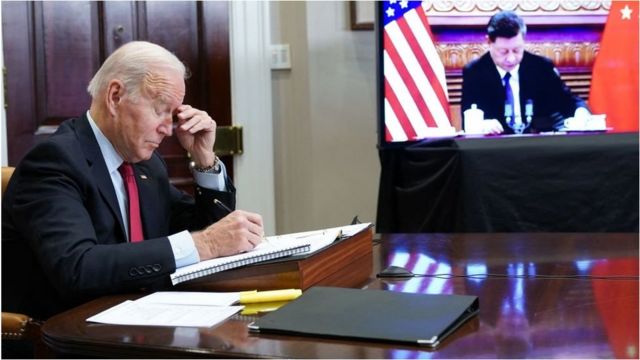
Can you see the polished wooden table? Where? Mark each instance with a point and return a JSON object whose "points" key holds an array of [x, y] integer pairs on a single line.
{"points": [[541, 296]]}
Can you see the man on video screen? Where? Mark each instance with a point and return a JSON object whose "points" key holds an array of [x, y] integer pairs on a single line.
{"points": [[517, 90]]}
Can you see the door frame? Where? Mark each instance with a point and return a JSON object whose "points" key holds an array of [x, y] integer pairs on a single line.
{"points": [[249, 33], [4, 159]]}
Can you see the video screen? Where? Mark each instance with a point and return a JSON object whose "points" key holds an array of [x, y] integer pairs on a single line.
{"points": [[445, 71]]}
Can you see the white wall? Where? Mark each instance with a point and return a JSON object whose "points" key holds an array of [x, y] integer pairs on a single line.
{"points": [[324, 113]]}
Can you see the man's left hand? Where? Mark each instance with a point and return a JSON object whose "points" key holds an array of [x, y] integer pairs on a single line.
{"points": [[492, 127], [196, 132]]}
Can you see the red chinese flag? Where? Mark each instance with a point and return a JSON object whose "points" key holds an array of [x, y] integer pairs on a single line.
{"points": [[617, 303], [614, 84]]}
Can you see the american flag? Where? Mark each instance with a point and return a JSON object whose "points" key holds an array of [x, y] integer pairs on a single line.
{"points": [[416, 104]]}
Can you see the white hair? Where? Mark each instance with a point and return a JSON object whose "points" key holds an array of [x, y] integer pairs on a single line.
{"points": [[135, 64]]}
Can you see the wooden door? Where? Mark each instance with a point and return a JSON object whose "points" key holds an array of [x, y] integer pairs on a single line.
{"points": [[52, 49]]}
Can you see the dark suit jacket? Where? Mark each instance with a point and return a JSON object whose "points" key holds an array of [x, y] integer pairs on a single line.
{"points": [[539, 81], [63, 239]]}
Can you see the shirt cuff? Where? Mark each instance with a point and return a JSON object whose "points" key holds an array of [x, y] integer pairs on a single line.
{"points": [[212, 181], [184, 250]]}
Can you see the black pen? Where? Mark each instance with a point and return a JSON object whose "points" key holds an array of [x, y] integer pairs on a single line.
{"points": [[222, 206]]}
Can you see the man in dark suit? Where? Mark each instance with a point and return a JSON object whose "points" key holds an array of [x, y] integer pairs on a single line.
{"points": [[70, 227], [511, 81]]}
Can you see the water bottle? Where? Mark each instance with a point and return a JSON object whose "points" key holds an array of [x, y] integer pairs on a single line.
{"points": [[473, 118]]}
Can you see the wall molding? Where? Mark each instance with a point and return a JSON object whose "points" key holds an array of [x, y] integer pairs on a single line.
{"points": [[249, 31], [474, 12], [465, 7]]}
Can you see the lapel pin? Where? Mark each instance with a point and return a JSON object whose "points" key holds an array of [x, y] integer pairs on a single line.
{"points": [[144, 177]]}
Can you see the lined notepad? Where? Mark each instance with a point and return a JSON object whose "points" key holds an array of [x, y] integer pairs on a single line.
{"points": [[272, 247]]}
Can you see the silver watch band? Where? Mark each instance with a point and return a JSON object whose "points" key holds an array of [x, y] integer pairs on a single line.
{"points": [[213, 169]]}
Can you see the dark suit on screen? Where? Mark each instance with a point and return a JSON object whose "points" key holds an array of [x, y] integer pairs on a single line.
{"points": [[63, 238], [539, 81]]}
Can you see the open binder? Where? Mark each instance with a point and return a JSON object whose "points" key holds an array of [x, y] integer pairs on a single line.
{"points": [[271, 248], [421, 319], [345, 262], [213, 266]]}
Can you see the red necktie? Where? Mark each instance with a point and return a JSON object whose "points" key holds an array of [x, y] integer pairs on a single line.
{"points": [[135, 223]]}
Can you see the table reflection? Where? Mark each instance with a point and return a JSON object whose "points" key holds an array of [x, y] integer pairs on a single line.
{"points": [[568, 317]]}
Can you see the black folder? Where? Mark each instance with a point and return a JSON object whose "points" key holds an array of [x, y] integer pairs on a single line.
{"points": [[379, 315]]}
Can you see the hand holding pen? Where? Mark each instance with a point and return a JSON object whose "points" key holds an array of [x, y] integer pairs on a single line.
{"points": [[237, 232], [224, 207]]}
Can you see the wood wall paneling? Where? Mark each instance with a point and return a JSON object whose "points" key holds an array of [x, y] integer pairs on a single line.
{"points": [[216, 69], [52, 49], [119, 24], [17, 30], [67, 52]]}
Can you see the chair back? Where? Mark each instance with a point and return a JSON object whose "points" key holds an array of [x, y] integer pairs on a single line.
{"points": [[20, 327], [7, 171]]}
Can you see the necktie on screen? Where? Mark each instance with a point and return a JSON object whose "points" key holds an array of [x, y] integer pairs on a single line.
{"points": [[135, 222], [508, 102]]}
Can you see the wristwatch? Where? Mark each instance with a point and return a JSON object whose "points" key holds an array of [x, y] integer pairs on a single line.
{"points": [[213, 169]]}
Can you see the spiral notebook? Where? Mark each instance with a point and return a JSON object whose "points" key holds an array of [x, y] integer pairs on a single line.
{"points": [[271, 247]]}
